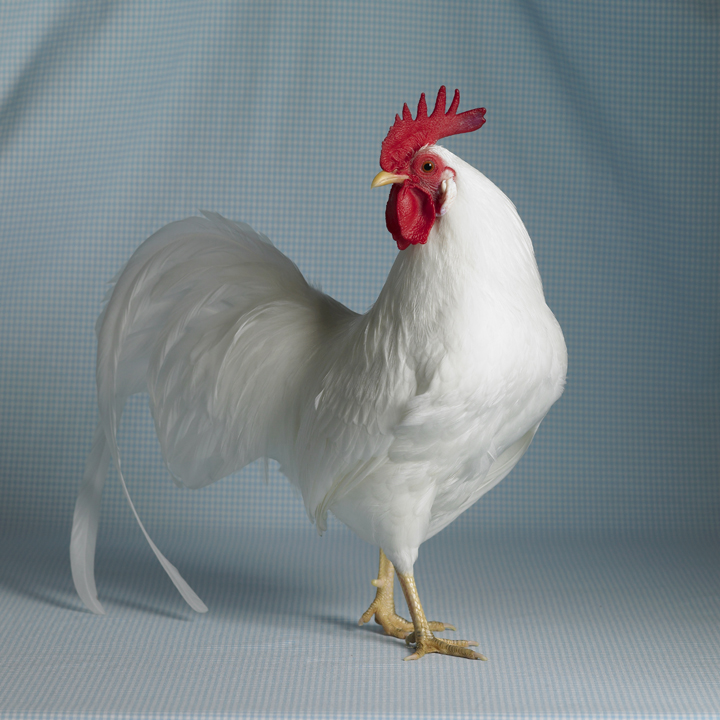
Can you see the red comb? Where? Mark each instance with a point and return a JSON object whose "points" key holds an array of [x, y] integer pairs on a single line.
{"points": [[407, 136]]}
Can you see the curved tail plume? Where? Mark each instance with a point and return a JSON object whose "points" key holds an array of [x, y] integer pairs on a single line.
{"points": [[85, 527], [85, 522]]}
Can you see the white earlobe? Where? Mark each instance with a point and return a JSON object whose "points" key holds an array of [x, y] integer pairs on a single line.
{"points": [[448, 191]]}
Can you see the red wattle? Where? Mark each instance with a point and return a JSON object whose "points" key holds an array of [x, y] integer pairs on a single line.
{"points": [[409, 215]]}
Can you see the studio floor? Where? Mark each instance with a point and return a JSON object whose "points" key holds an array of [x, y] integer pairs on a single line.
{"points": [[574, 627]]}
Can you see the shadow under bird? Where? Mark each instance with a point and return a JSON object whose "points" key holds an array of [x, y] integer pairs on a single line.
{"points": [[396, 421]]}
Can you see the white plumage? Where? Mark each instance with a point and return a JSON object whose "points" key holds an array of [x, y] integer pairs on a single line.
{"points": [[396, 420]]}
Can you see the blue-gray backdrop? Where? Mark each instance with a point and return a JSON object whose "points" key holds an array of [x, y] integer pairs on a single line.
{"points": [[602, 127], [116, 118]]}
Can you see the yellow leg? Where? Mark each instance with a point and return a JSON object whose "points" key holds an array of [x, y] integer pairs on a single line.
{"points": [[383, 606], [422, 637]]}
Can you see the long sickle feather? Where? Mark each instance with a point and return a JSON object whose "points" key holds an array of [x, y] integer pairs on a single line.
{"points": [[85, 522], [85, 528], [184, 589]]}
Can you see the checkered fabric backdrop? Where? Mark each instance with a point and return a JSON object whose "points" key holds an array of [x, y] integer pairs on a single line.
{"points": [[117, 118], [602, 127]]}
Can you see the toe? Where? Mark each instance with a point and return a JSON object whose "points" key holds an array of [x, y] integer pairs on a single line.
{"points": [[436, 626], [432, 644], [366, 616]]}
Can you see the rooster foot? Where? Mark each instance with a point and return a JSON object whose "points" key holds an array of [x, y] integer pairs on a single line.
{"points": [[383, 606], [431, 644], [422, 637]]}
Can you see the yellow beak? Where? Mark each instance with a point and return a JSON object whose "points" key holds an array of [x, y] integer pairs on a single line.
{"points": [[386, 178]]}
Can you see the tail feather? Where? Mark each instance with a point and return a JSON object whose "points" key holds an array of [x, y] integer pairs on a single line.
{"points": [[184, 589], [219, 328], [85, 522], [85, 528]]}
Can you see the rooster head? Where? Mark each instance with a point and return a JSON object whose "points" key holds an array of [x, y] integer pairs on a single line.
{"points": [[423, 185]]}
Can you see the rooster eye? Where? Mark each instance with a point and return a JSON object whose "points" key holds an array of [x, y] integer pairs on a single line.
{"points": [[428, 167]]}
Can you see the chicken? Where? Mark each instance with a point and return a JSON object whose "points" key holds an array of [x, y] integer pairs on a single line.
{"points": [[396, 421]]}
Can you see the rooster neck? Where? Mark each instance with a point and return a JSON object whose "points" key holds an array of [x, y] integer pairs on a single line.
{"points": [[424, 289], [478, 261]]}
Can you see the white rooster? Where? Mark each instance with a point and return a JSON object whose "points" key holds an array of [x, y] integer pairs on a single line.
{"points": [[396, 421]]}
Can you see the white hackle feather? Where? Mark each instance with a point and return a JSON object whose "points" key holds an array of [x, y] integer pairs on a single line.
{"points": [[396, 421]]}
